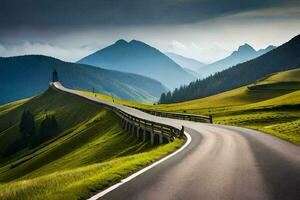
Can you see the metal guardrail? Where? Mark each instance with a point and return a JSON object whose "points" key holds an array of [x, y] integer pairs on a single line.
{"points": [[154, 126], [164, 131], [174, 115]]}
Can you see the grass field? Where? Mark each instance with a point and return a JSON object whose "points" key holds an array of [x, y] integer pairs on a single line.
{"points": [[271, 105], [90, 153]]}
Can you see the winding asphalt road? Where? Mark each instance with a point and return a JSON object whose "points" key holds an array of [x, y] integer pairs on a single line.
{"points": [[221, 162]]}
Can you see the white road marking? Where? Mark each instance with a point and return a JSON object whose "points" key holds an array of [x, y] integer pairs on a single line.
{"points": [[125, 180]]}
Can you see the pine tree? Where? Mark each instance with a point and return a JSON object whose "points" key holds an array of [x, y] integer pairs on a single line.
{"points": [[169, 97], [54, 126], [27, 124], [162, 98], [48, 128]]}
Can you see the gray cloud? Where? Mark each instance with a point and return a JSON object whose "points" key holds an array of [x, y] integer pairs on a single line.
{"points": [[203, 29], [70, 13]]}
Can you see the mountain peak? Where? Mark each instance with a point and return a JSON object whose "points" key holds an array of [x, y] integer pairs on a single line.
{"points": [[266, 50], [137, 42], [121, 41], [140, 58], [270, 47], [245, 47]]}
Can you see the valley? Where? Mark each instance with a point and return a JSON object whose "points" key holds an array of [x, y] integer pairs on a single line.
{"points": [[29, 75]]}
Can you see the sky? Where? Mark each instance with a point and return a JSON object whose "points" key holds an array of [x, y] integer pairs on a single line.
{"points": [[206, 30]]}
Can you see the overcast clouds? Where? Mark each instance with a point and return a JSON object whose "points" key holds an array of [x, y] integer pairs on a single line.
{"points": [[202, 29]]}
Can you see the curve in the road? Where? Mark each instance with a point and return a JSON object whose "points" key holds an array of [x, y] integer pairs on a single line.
{"points": [[220, 162]]}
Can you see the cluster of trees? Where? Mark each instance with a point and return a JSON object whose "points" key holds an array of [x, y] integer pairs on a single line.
{"points": [[282, 58], [31, 136], [196, 89], [27, 124], [48, 128]]}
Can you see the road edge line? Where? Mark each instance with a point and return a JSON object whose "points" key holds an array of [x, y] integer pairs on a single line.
{"points": [[132, 176]]}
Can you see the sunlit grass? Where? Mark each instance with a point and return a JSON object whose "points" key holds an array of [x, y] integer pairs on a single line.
{"points": [[269, 105], [91, 152], [284, 124], [79, 182]]}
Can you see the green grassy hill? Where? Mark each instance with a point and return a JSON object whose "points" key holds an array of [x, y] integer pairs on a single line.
{"points": [[271, 105], [273, 88], [90, 152]]}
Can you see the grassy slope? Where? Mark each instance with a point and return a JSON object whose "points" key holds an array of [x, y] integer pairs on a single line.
{"points": [[90, 153], [271, 105], [272, 87]]}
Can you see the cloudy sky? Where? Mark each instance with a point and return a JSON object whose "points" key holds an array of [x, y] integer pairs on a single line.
{"points": [[203, 29]]}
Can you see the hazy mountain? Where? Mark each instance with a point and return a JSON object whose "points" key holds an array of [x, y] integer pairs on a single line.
{"points": [[266, 50], [25, 76], [140, 58], [189, 64], [284, 57], [243, 54], [193, 73]]}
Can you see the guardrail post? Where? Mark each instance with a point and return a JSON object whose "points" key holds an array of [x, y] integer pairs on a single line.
{"points": [[138, 131], [210, 119], [152, 134], [152, 139], [160, 138], [126, 125], [133, 128], [182, 131], [129, 127], [144, 135], [161, 135]]}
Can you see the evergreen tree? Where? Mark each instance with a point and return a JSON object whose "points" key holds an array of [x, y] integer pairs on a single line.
{"points": [[168, 97], [27, 128], [27, 125], [54, 125], [48, 128], [162, 98]]}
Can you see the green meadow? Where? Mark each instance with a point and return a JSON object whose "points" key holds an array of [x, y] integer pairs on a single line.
{"points": [[271, 105], [90, 152]]}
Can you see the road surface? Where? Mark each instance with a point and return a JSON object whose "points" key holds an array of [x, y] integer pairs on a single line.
{"points": [[221, 162]]}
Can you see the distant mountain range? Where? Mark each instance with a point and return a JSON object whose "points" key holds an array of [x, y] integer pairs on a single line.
{"points": [[140, 58], [202, 70], [25, 76], [29, 75], [243, 54], [284, 57], [190, 65]]}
